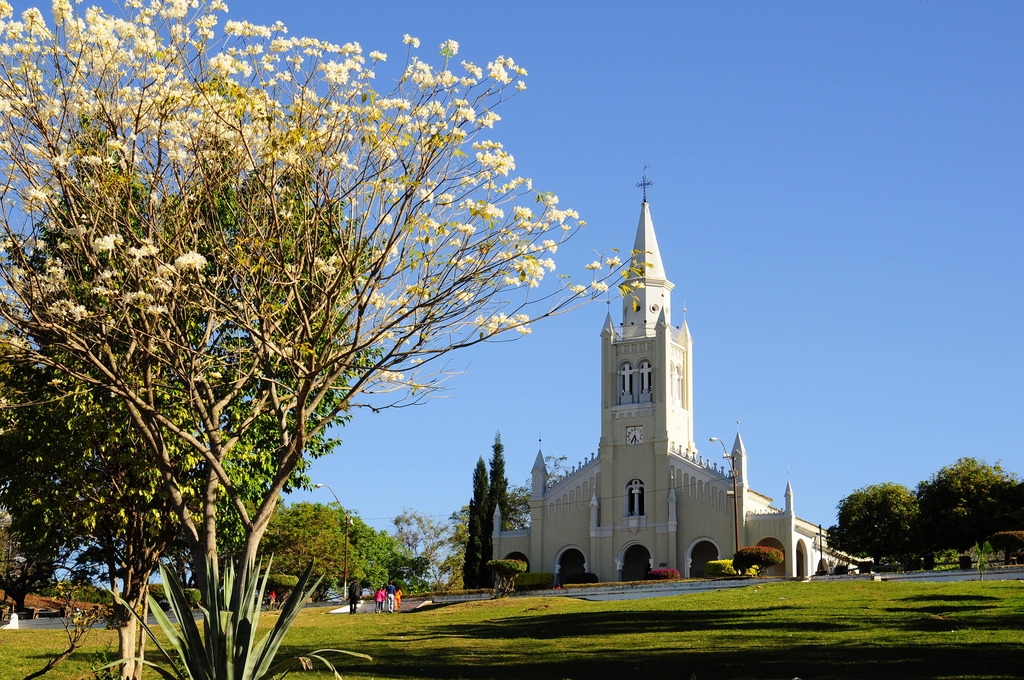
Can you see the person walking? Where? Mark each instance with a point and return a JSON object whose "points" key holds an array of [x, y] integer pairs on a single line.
{"points": [[378, 599], [398, 597], [355, 591], [390, 592]]}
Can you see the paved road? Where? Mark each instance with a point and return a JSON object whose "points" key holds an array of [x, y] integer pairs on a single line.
{"points": [[55, 623]]}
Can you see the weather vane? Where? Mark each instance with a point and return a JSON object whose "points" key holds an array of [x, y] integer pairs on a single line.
{"points": [[644, 183]]}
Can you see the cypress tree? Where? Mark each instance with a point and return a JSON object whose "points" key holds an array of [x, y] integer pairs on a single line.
{"points": [[497, 495], [474, 563]]}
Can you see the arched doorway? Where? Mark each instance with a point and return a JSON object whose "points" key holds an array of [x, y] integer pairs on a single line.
{"points": [[801, 559], [780, 568], [636, 563], [570, 562], [518, 556], [701, 553]]}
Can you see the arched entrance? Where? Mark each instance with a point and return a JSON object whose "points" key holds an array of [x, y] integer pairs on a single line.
{"points": [[518, 556], [780, 568], [570, 562], [636, 563], [701, 553], [801, 559]]}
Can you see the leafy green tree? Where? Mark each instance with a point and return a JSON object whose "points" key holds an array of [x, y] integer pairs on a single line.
{"points": [[304, 533], [71, 475], [878, 520], [965, 503], [476, 532], [426, 541], [455, 562], [24, 566]]}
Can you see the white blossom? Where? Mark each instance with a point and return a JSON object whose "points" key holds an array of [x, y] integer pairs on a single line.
{"points": [[190, 260]]}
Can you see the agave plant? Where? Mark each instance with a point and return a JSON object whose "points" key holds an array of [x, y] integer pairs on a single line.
{"points": [[230, 648]]}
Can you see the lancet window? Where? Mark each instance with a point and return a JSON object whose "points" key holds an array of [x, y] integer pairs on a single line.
{"points": [[643, 370], [626, 383], [636, 385], [635, 498]]}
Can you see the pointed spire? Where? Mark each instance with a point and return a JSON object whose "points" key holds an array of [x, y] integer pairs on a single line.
{"points": [[539, 477], [739, 455], [609, 326], [646, 246], [789, 497], [737, 446], [642, 305], [539, 464]]}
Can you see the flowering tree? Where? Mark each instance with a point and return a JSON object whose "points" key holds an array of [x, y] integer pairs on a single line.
{"points": [[234, 233], [760, 556]]}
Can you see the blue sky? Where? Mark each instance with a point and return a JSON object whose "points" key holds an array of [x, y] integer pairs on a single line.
{"points": [[838, 197]]}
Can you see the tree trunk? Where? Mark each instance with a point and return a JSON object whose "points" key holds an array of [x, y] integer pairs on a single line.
{"points": [[127, 645]]}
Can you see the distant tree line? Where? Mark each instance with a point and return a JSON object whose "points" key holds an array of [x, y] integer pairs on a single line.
{"points": [[961, 506]]}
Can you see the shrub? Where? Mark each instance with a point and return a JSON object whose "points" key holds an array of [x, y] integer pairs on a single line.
{"points": [[194, 596], [282, 585], [505, 574], [716, 568], [535, 580], [663, 575], [760, 556], [1010, 542], [585, 577]]}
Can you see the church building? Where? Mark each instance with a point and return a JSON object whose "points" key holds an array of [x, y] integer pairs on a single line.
{"points": [[648, 500]]}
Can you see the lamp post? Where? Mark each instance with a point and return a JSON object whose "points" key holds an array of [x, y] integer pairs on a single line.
{"points": [[347, 522], [735, 499]]}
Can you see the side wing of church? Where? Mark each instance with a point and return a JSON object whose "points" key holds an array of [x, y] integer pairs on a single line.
{"points": [[647, 500]]}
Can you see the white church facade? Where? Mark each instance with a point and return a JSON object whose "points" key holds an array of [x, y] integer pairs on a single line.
{"points": [[647, 500]]}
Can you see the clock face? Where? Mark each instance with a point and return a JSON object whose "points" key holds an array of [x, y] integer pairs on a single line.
{"points": [[635, 434]]}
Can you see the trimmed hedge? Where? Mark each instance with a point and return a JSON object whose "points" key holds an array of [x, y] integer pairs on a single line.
{"points": [[535, 580], [716, 568], [193, 596], [158, 591], [663, 575]]}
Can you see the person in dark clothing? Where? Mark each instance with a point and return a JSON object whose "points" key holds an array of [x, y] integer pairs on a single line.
{"points": [[355, 591]]}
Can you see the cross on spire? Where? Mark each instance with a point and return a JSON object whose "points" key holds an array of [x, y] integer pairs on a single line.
{"points": [[644, 183]]}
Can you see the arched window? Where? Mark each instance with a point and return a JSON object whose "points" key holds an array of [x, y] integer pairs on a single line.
{"points": [[679, 385], [644, 371], [626, 383], [635, 498]]}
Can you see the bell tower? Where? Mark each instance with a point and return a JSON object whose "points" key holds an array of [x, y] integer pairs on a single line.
{"points": [[647, 364]]}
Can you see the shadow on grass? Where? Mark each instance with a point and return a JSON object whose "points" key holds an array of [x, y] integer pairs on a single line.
{"points": [[821, 662], [600, 624]]}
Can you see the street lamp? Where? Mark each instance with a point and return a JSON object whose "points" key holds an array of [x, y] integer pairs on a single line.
{"points": [[347, 522], [735, 498]]}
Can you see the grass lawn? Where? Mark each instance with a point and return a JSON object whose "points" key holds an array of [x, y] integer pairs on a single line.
{"points": [[856, 629]]}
